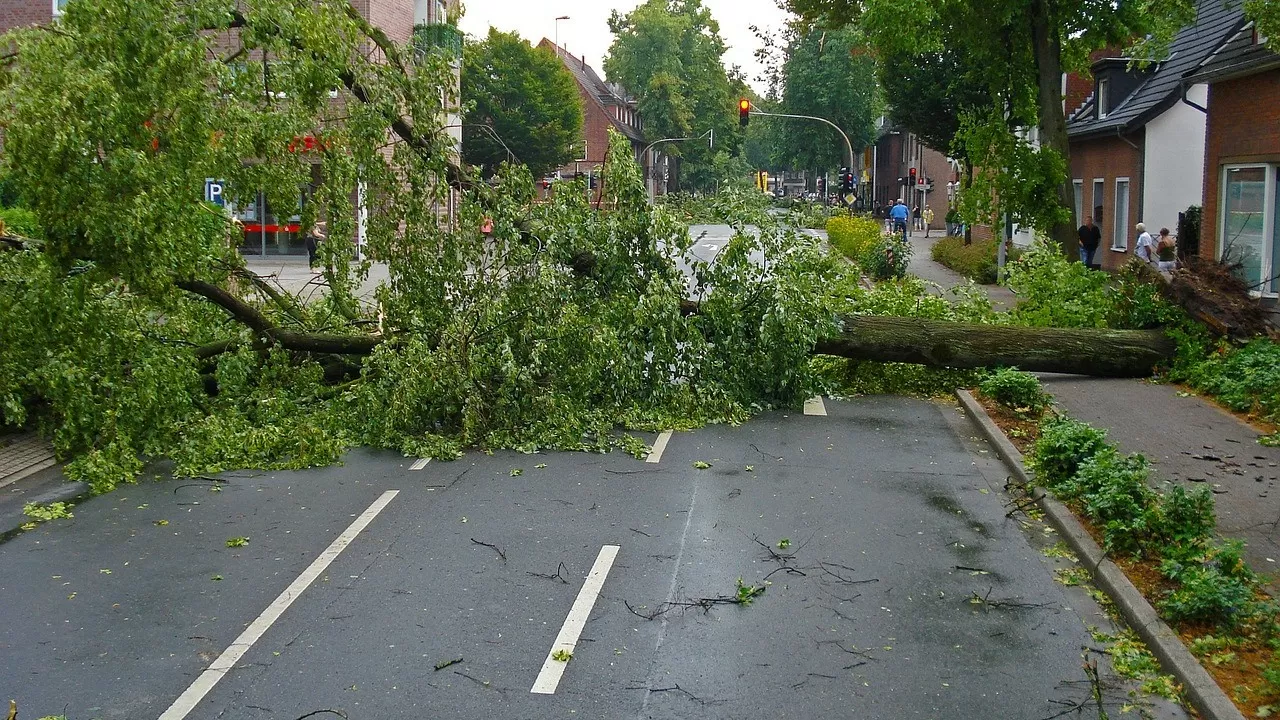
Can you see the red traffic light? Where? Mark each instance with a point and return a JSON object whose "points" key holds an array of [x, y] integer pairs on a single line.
{"points": [[744, 112]]}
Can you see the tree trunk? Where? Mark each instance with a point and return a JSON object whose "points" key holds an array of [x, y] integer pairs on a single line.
{"points": [[1081, 351], [1046, 43]]}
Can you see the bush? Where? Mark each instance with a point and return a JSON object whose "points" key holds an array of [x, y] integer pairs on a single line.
{"points": [[1054, 292], [20, 222], [1064, 444], [1115, 495], [976, 261], [1185, 520], [1015, 390], [852, 235], [1214, 587], [1245, 379], [886, 259]]}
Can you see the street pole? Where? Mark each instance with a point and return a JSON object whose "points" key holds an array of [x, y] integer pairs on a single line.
{"points": [[562, 17], [848, 145], [644, 154]]}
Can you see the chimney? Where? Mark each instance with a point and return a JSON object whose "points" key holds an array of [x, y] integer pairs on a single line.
{"points": [[584, 62]]}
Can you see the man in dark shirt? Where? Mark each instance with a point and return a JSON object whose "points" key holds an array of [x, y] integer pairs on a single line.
{"points": [[1090, 236]]}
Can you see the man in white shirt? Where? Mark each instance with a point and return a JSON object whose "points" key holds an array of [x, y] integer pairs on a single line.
{"points": [[1146, 250]]}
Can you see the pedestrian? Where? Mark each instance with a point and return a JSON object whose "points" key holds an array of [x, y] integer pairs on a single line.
{"points": [[1090, 237], [1146, 248], [1166, 251], [928, 219], [915, 217], [899, 214], [312, 239]]}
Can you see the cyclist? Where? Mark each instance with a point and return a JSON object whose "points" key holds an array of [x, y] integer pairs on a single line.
{"points": [[899, 213]]}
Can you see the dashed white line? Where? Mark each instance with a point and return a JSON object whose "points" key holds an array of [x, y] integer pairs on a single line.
{"points": [[192, 696], [553, 669], [815, 406], [419, 463], [659, 445]]}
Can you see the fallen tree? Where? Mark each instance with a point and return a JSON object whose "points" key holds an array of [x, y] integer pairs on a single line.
{"points": [[134, 329]]}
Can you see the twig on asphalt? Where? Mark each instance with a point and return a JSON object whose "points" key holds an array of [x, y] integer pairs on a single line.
{"points": [[686, 693], [556, 576], [840, 578], [640, 532], [475, 680], [339, 713], [495, 548], [1023, 505], [446, 663], [763, 453]]}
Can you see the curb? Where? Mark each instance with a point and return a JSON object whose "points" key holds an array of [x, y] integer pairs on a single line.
{"points": [[1202, 690], [11, 523]]}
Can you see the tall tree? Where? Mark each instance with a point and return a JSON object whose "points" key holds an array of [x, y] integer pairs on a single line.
{"points": [[827, 74], [668, 53], [524, 96], [1023, 46]]}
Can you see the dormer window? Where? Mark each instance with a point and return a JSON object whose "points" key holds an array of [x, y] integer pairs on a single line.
{"points": [[1103, 107]]}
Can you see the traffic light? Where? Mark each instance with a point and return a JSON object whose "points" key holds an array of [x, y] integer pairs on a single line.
{"points": [[846, 181], [744, 112], [913, 175]]}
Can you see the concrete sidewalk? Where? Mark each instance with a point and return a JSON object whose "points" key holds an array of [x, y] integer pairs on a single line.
{"points": [[924, 267], [1188, 439], [1193, 443]]}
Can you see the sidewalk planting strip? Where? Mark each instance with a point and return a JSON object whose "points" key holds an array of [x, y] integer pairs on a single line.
{"points": [[1203, 692], [659, 445], [192, 696], [562, 650]]}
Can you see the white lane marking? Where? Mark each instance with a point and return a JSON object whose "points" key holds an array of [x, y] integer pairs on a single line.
{"points": [[419, 463], [192, 696], [659, 445], [815, 406], [567, 640], [671, 590]]}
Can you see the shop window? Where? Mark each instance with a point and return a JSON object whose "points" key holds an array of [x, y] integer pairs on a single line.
{"points": [[1248, 233]]}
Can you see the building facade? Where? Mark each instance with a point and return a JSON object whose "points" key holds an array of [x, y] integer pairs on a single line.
{"points": [[1240, 221], [608, 106], [897, 157], [426, 24], [1137, 138]]}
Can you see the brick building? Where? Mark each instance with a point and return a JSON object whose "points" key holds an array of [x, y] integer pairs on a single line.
{"points": [[896, 154], [425, 23], [604, 106], [1242, 158], [1137, 139]]}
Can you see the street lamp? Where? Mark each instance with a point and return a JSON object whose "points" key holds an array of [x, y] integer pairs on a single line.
{"points": [[562, 17]]}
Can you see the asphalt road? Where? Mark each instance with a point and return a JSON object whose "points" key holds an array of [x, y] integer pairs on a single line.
{"points": [[894, 519]]}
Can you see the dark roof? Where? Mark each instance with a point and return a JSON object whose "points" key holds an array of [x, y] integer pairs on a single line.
{"points": [[607, 94], [1239, 55], [1216, 21]]}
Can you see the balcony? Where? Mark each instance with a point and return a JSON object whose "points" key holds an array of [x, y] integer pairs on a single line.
{"points": [[438, 38]]}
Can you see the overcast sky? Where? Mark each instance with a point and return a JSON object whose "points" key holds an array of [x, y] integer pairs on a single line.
{"points": [[587, 29]]}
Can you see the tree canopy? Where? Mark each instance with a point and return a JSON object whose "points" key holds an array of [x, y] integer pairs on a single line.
{"points": [[1022, 48], [668, 54], [827, 74], [526, 97]]}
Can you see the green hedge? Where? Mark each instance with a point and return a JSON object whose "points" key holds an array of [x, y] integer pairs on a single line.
{"points": [[1209, 582], [852, 236], [20, 222], [976, 261]]}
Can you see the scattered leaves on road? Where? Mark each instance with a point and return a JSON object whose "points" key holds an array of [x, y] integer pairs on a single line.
{"points": [[563, 656], [237, 542], [701, 464]]}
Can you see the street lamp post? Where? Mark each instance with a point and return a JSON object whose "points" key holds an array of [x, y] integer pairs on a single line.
{"points": [[644, 155], [848, 145], [562, 17]]}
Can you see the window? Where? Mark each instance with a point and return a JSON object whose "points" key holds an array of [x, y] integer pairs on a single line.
{"points": [[1078, 187], [1120, 220], [1099, 187], [1103, 107], [1248, 230], [59, 6]]}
